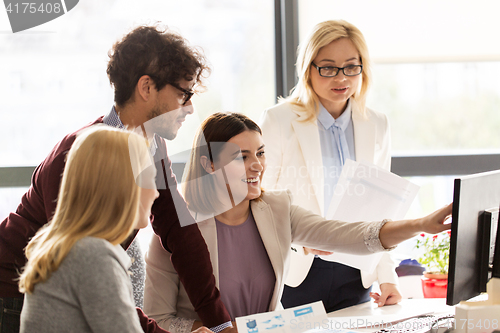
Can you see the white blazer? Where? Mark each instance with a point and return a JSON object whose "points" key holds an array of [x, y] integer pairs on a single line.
{"points": [[294, 162], [279, 223]]}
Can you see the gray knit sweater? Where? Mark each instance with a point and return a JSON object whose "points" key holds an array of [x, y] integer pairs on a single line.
{"points": [[90, 292]]}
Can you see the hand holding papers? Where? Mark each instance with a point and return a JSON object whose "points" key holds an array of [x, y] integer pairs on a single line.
{"points": [[366, 192]]}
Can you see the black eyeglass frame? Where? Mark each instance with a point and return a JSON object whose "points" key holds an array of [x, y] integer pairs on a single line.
{"points": [[338, 70], [187, 93]]}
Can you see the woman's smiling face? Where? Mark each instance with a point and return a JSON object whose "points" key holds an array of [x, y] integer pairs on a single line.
{"points": [[244, 162]]}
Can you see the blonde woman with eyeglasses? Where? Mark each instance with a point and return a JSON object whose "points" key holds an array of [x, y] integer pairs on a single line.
{"points": [[309, 136]]}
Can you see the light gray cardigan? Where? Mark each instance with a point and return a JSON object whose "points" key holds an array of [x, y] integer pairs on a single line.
{"points": [[89, 292]]}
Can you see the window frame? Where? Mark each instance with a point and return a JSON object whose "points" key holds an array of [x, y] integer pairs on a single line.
{"points": [[286, 44]]}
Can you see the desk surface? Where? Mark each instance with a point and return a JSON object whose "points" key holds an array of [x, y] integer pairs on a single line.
{"points": [[369, 314]]}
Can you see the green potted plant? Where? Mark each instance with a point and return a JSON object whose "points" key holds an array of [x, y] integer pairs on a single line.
{"points": [[434, 254]]}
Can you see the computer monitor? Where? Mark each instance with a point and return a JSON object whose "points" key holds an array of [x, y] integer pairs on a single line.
{"points": [[476, 201]]}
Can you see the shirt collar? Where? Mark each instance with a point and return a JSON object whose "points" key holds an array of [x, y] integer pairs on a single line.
{"points": [[112, 119], [327, 121]]}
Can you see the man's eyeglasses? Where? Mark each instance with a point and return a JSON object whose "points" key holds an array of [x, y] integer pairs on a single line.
{"points": [[187, 93], [330, 71]]}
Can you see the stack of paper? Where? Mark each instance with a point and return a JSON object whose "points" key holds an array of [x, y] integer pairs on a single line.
{"points": [[366, 192]]}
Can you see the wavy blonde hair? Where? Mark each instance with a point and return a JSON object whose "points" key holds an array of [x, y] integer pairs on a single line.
{"points": [[303, 97], [98, 197]]}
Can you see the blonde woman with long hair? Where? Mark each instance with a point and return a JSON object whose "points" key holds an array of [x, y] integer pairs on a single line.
{"points": [[308, 138], [76, 277]]}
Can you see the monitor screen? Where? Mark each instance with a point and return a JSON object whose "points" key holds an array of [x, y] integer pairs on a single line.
{"points": [[476, 199]]}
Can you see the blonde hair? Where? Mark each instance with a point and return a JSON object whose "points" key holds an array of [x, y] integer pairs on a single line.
{"points": [[98, 197], [303, 97]]}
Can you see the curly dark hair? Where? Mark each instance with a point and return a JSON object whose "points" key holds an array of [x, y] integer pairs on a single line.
{"points": [[158, 52]]}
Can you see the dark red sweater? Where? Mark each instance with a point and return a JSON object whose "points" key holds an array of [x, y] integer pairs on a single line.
{"points": [[190, 255]]}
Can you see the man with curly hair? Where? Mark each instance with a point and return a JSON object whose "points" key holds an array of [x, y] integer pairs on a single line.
{"points": [[154, 74]]}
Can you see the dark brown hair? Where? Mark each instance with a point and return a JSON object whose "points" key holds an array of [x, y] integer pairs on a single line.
{"points": [[154, 51], [219, 127]]}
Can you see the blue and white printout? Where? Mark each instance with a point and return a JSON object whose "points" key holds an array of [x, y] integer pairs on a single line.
{"points": [[293, 320]]}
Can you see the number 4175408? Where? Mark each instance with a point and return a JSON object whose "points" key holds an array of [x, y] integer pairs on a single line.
{"points": [[478, 323], [32, 8]]}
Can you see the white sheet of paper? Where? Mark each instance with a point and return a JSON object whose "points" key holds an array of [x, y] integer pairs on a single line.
{"points": [[370, 315], [293, 320], [366, 192]]}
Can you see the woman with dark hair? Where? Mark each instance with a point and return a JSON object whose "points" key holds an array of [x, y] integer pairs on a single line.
{"points": [[249, 232]]}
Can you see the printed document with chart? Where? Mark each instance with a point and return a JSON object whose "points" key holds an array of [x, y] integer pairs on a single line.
{"points": [[293, 320], [366, 192]]}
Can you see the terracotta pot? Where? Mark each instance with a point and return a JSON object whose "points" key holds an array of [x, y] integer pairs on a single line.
{"points": [[435, 285]]}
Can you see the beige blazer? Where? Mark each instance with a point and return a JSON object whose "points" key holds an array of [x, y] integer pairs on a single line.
{"points": [[294, 162], [279, 223]]}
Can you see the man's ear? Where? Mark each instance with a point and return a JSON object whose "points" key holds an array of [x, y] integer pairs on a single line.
{"points": [[207, 164], [144, 87]]}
